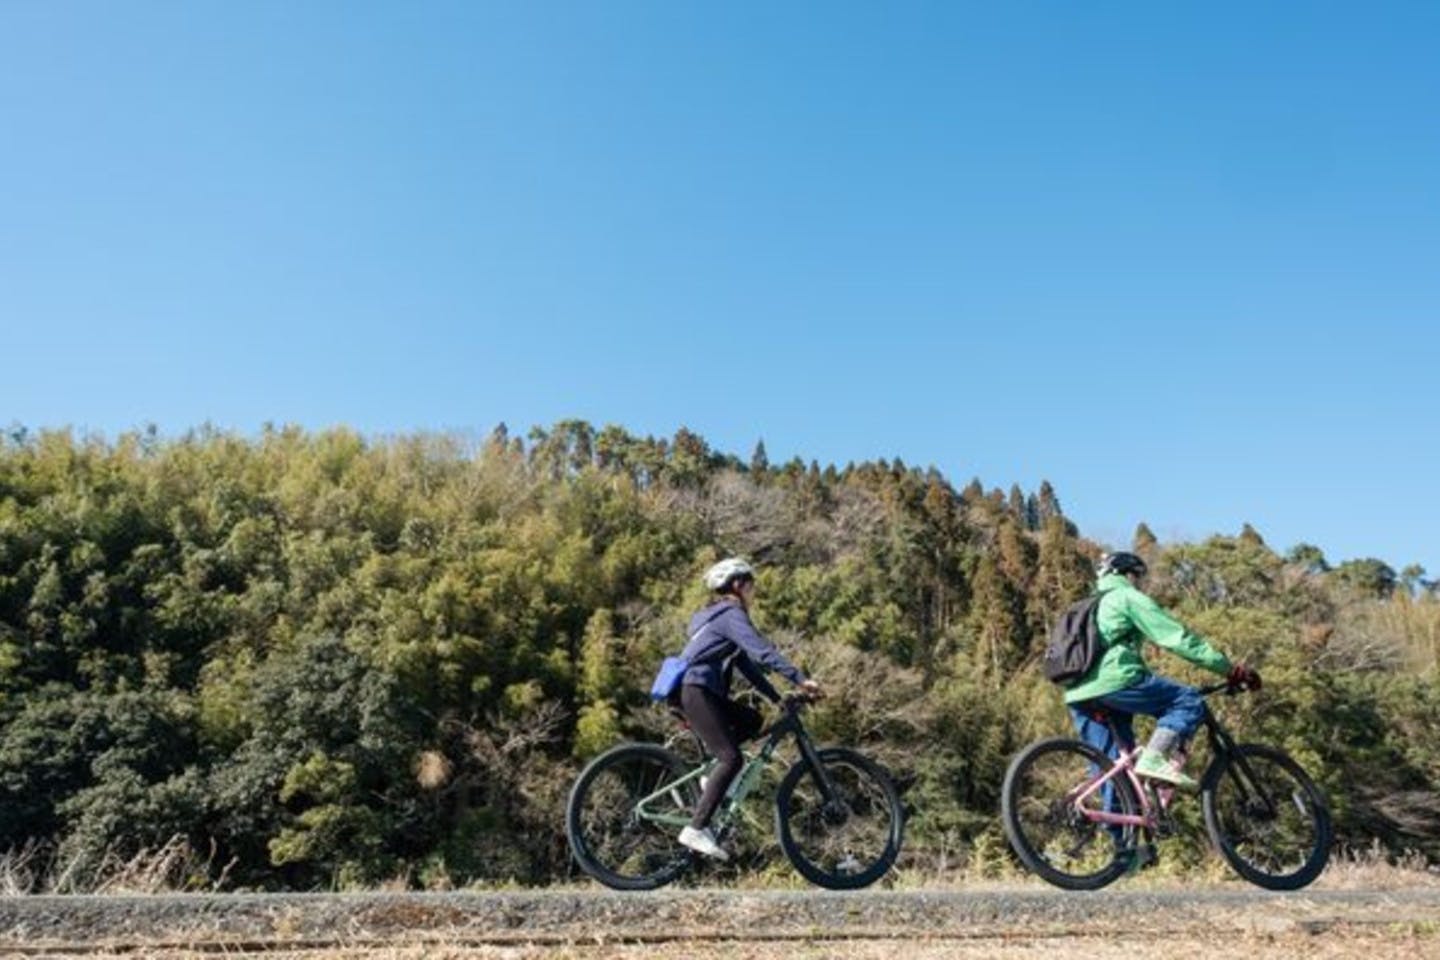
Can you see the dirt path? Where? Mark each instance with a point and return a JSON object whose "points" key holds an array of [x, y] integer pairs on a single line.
{"points": [[1338, 943], [769, 925]]}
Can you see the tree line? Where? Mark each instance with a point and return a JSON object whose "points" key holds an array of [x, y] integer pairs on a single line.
{"points": [[333, 660]]}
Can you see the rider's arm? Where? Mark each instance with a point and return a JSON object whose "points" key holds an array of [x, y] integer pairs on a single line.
{"points": [[757, 678], [761, 651], [1165, 631]]}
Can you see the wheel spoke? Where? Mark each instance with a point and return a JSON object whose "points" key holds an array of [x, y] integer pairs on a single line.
{"points": [[1050, 819], [848, 840], [1061, 832], [612, 838], [1268, 820]]}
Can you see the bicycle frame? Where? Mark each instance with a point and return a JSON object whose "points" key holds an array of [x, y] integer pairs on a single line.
{"points": [[744, 783], [1222, 746], [1124, 764], [1081, 822]]}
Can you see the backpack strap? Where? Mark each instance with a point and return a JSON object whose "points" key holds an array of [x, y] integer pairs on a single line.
{"points": [[1095, 612]]}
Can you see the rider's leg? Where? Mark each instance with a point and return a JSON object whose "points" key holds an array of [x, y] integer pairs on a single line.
{"points": [[1098, 734], [709, 717], [745, 721], [1178, 711]]}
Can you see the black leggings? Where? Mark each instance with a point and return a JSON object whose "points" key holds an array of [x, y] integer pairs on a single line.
{"points": [[722, 725]]}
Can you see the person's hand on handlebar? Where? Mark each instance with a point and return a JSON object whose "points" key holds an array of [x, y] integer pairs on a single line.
{"points": [[811, 690], [1242, 677]]}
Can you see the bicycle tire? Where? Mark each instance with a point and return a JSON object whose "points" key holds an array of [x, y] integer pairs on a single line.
{"points": [[820, 840], [1245, 835], [1040, 853], [608, 839]]}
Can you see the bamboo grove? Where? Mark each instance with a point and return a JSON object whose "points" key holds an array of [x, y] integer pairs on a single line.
{"points": [[336, 661]]}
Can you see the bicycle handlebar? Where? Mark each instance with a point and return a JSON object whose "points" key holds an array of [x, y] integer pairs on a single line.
{"points": [[795, 702], [1225, 687]]}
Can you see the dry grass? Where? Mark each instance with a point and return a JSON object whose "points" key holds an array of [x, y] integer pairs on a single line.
{"points": [[175, 865], [1399, 941], [1370, 870], [1401, 633]]}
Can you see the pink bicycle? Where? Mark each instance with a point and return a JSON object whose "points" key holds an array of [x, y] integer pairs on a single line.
{"points": [[1081, 820]]}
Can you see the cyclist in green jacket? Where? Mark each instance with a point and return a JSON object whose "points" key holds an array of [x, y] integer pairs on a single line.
{"points": [[1121, 683]]}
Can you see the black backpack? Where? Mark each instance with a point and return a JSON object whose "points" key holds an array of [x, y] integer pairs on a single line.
{"points": [[1075, 642]]}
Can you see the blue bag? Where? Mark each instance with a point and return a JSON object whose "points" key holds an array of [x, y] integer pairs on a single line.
{"points": [[667, 680], [672, 669]]}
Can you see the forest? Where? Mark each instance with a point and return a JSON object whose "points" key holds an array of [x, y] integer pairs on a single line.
{"points": [[320, 660]]}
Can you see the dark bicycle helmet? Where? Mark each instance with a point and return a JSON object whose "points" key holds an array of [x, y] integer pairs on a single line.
{"points": [[1121, 562]]}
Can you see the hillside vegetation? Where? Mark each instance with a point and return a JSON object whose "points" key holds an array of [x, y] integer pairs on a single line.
{"points": [[324, 660]]}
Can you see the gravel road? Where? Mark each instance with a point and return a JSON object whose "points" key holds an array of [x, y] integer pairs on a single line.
{"points": [[569, 920]]}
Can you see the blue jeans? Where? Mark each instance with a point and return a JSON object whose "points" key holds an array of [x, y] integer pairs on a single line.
{"points": [[1173, 705]]}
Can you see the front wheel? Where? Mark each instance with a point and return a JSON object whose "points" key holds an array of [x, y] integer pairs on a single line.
{"points": [[850, 840], [617, 841], [1053, 819], [1266, 817]]}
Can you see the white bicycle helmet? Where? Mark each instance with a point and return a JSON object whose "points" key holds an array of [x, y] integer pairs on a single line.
{"points": [[718, 576]]}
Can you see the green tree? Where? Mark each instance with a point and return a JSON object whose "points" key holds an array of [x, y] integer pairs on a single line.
{"points": [[996, 622], [343, 659], [1063, 575], [1308, 557], [1047, 503], [1368, 577], [759, 461], [598, 725]]}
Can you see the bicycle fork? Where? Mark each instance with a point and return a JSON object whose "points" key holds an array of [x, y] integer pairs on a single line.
{"points": [[817, 771]]}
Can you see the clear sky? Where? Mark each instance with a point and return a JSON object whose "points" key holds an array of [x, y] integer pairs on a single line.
{"points": [[1182, 260]]}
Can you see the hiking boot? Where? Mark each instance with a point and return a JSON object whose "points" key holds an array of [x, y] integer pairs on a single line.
{"points": [[1155, 766], [703, 841]]}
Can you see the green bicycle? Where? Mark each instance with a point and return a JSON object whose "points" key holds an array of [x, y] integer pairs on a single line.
{"points": [[838, 815]]}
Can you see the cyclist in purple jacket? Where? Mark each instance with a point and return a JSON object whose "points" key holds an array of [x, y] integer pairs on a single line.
{"points": [[722, 640]]}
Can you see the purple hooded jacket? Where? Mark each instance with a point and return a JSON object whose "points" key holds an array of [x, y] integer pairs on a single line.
{"points": [[722, 639]]}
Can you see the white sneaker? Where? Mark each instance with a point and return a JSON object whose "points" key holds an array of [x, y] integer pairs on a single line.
{"points": [[702, 841]]}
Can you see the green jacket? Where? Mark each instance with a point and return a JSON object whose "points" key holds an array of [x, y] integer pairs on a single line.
{"points": [[1126, 618]]}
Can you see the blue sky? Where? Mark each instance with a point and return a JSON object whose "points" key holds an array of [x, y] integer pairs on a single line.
{"points": [[1179, 260]]}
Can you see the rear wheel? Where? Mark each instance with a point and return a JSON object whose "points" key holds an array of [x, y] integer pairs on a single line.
{"points": [[610, 838], [1051, 831], [1266, 817], [850, 840]]}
